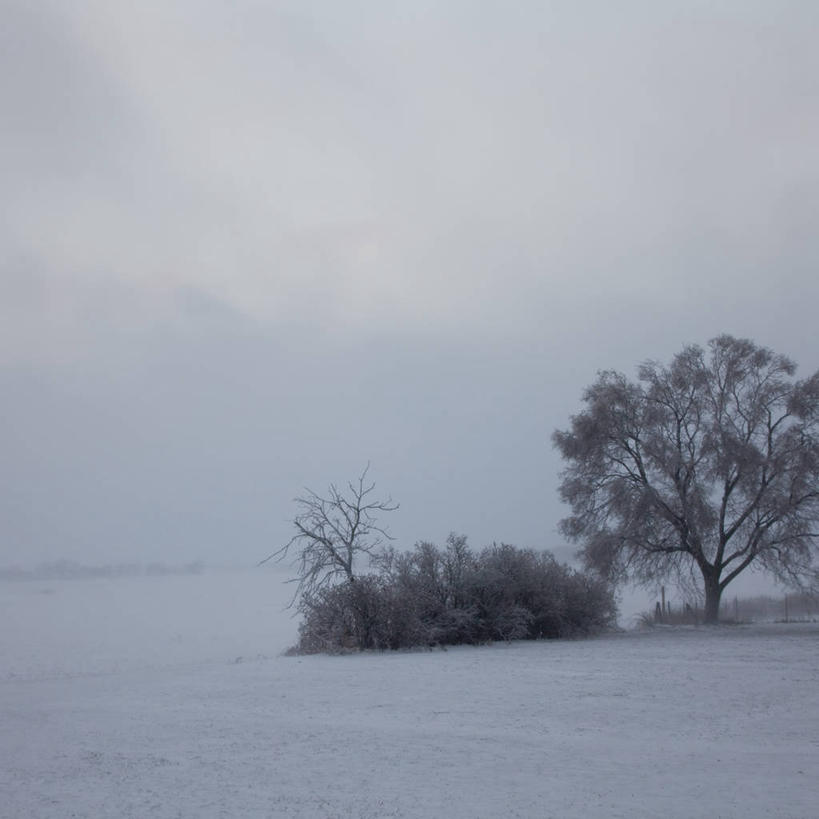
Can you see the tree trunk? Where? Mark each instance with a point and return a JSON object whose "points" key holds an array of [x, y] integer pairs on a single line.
{"points": [[713, 593]]}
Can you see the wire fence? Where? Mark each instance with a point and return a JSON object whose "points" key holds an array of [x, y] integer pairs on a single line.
{"points": [[762, 608], [789, 608]]}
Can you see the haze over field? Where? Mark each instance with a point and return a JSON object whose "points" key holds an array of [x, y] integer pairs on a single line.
{"points": [[249, 247], [185, 707]]}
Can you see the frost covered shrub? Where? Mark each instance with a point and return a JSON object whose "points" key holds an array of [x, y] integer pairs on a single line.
{"points": [[327, 624], [520, 593], [588, 605], [362, 614], [433, 596]]}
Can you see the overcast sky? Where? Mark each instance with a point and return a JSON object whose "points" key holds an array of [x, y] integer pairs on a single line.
{"points": [[247, 247]]}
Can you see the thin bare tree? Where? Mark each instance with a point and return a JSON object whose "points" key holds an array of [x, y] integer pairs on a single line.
{"points": [[333, 531]]}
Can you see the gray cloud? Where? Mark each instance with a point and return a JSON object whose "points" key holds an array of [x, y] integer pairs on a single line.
{"points": [[248, 247]]}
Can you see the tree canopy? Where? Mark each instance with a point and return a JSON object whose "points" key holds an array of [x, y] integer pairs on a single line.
{"points": [[701, 468]]}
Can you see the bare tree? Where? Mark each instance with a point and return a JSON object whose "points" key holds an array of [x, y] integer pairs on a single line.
{"points": [[332, 531], [709, 465]]}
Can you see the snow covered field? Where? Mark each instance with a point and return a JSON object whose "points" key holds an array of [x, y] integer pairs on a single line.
{"points": [[169, 697]]}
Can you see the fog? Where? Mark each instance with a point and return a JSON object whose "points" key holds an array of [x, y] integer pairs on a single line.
{"points": [[247, 248]]}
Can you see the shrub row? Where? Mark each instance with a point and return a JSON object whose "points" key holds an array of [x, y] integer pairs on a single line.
{"points": [[433, 596]]}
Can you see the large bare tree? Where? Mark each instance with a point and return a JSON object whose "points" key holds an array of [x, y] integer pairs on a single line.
{"points": [[703, 468], [332, 531]]}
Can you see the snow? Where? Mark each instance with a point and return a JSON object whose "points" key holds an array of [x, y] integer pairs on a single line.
{"points": [[170, 697]]}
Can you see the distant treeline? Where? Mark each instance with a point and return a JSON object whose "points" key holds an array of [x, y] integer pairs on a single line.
{"points": [[70, 570]]}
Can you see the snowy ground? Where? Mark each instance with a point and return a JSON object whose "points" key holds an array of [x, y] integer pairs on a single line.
{"points": [[168, 697]]}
